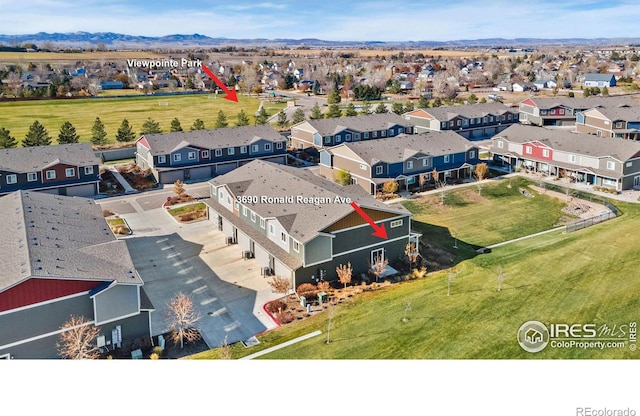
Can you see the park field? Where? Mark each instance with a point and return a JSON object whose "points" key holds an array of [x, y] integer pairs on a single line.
{"points": [[587, 276], [17, 116], [50, 57]]}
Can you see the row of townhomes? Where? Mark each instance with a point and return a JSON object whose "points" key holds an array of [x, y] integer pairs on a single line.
{"points": [[586, 158], [563, 111], [203, 154], [474, 122], [403, 159], [59, 259], [300, 226], [618, 121], [69, 169]]}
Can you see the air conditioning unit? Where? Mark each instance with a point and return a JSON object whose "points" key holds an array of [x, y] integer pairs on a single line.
{"points": [[247, 254], [230, 240], [266, 271]]}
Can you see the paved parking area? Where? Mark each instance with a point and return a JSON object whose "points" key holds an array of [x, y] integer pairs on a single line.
{"points": [[227, 291]]}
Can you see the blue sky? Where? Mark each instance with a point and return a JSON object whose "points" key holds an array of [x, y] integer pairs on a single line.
{"points": [[352, 20]]}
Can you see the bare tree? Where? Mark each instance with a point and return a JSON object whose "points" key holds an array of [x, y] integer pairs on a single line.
{"points": [[411, 253], [407, 308], [379, 266], [438, 184], [77, 339], [181, 317], [501, 278], [481, 172], [280, 285], [422, 181], [178, 187], [225, 350], [344, 274]]}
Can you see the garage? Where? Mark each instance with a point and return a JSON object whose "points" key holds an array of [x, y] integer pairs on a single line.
{"points": [[170, 176], [87, 190], [223, 168], [200, 173]]}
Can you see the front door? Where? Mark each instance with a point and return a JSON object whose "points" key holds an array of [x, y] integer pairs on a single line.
{"points": [[636, 182]]}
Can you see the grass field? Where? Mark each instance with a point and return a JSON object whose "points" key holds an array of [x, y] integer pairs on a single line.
{"points": [[19, 115], [25, 57], [582, 277]]}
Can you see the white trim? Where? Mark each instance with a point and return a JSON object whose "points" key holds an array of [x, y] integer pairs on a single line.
{"points": [[41, 336]]}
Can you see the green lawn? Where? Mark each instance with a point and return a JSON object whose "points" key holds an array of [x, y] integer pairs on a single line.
{"points": [[587, 276], [199, 206], [17, 116]]}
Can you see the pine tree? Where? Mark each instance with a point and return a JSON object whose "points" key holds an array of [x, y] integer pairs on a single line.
{"points": [[6, 140], [381, 108], [98, 133], [350, 110], [151, 126], [125, 132], [175, 125], [366, 108], [333, 97], [408, 106], [36, 136], [198, 125], [68, 134], [397, 108], [243, 119], [282, 119], [316, 113], [334, 111], [298, 116], [262, 117], [423, 102], [221, 121]]}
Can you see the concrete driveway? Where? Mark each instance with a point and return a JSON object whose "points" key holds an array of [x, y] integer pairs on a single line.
{"points": [[227, 291]]}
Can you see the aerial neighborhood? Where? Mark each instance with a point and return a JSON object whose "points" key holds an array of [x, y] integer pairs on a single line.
{"points": [[324, 182]]}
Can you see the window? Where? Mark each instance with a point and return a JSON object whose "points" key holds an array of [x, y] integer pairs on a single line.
{"points": [[11, 179], [243, 149], [279, 145], [472, 154], [51, 174], [379, 170], [611, 165], [338, 138], [508, 116], [236, 205], [191, 156], [528, 150], [374, 134], [267, 146], [500, 144], [356, 136], [272, 229], [396, 223], [410, 164], [383, 133], [425, 162], [327, 140], [261, 222], [244, 210], [484, 120], [545, 152], [231, 151], [443, 125], [572, 158], [69, 172], [218, 152], [618, 124], [177, 157], [629, 164], [446, 158], [88, 170], [283, 237], [363, 166], [451, 123], [32, 177], [162, 159], [366, 134], [205, 154], [255, 148], [490, 119], [609, 182], [214, 190], [407, 130], [347, 137], [296, 246], [465, 122], [253, 216]]}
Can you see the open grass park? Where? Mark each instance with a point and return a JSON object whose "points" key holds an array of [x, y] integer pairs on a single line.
{"points": [[17, 116], [588, 276]]}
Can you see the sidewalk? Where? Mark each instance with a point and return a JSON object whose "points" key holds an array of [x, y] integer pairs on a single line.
{"points": [[128, 189]]}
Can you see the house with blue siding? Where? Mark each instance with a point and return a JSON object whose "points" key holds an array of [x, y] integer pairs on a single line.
{"points": [[599, 80], [203, 154], [329, 132], [300, 226], [403, 159]]}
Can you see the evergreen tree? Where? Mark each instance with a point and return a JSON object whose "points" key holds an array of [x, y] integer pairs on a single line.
{"points": [[282, 119], [98, 133], [243, 119], [68, 134], [397, 108], [350, 110], [316, 113], [437, 102], [151, 126], [334, 111], [333, 97], [6, 140], [381, 108], [605, 91], [221, 120], [408, 106], [175, 125], [36, 136], [316, 87], [423, 102], [125, 132], [298, 116], [262, 117], [198, 125], [366, 108]]}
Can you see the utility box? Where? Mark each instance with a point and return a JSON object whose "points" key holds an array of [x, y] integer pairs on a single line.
{"points": [[303, 301], [322, 297]]}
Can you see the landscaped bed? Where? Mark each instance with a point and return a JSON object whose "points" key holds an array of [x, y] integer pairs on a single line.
{"points": [[189, 212], [139, 179], [108, 183], [119, 226]]}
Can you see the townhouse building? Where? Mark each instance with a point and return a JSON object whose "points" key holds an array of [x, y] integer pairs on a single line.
{"points": [[617, 121], [563, 111]]}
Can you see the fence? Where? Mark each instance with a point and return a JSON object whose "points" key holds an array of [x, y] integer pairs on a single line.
{"points": [[579, 194], [579, 225]]}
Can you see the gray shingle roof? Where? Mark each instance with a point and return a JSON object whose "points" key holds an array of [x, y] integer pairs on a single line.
{"points": [[620, 113], [370, 122], [51, 236], [165, 143], [579, 143], [598, 77], [447, 113], [302, 221], [30, 159], [582, 103], [398, 149]]}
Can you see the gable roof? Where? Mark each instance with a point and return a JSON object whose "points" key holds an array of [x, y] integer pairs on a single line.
{"points": [[578, 143], [598, 77], [52, 236], [582, 103], [30, 159], [400, 148], [617, 113], [302, 221], [367, 122], [165, 143], [446, 113]]}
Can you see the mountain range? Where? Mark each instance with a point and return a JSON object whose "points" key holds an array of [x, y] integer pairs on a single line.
{"points": [[117, 40]]}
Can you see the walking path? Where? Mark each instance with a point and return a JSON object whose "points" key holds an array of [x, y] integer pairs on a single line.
{"points": [[525, 237], [283, 345], [128, 189]]}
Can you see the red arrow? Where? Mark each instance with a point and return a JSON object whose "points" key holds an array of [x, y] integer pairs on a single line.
{"points": [[380, 231], [231, 93]]}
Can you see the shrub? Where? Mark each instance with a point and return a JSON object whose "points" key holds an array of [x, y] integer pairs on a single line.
{"points": [[307, 290], [285, 317], [275, 307], [121, 230]]}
